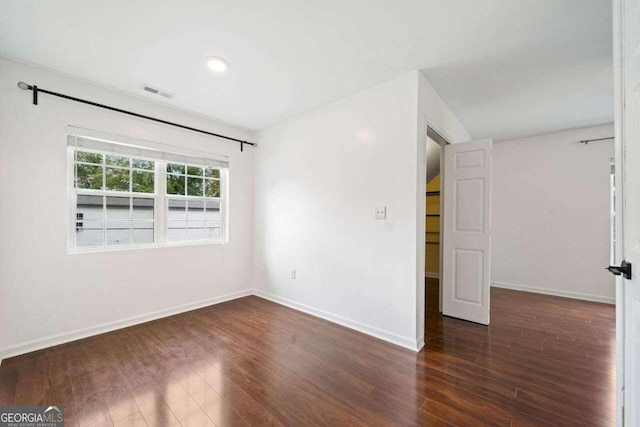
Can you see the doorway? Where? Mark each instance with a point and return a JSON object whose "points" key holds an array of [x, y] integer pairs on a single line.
{"points": [[434, 197]]}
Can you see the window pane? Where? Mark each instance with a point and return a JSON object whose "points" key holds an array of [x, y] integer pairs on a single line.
{"points": [[175, 184], [211, 188], [194, 170], [117, 179], [83, 156], [142, 164], [89, 177], [142, 231], [212, 229], [89, 207], [117, 161], [195, 210], [118, 232], [143, 208], [142, 182], [175, 168], [195, 230], [194, 186], [118, 207], [212, 211], [90, 234], [212, 173], [177, 210], [176, 230], [89, 224]]}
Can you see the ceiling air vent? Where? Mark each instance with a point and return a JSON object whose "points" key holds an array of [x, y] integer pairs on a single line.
{"points": [[156, 91]]}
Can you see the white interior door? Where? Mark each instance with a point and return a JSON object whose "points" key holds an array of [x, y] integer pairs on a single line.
{"points": [[627, 66], [467, 231]]}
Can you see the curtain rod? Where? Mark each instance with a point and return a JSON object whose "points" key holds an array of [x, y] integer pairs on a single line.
{"points": [[36, 90], [587, 141]]}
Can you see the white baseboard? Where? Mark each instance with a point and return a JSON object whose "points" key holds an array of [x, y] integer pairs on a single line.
{"points": [[554, 292], [41, 343], [29, 346], [432, 275], [406, 342]]}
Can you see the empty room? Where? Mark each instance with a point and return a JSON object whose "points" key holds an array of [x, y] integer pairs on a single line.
{"points": [[288, 213]]}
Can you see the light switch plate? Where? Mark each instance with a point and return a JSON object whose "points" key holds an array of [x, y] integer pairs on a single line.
{"points": [[381, 212]]}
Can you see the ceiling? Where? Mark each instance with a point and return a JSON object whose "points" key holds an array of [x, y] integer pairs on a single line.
{"points": [[506, 68]]}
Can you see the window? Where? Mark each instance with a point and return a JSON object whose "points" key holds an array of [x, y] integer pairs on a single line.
{"points": [[129, 200]]}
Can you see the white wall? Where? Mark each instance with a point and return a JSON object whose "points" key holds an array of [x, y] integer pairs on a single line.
{"points": [[48, 296], [318, 179], [432, 110], [550, 225]]}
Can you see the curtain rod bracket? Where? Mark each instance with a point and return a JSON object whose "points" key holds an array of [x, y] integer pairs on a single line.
{"points": [[587, 141]]}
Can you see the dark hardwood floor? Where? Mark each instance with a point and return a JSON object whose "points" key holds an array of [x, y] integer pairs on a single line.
{"points": [[543, 361]]}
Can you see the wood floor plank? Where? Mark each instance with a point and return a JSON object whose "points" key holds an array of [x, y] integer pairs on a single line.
{"points": [[8, 384], [30, 385], [153, 407], [134, 420], [186, 410]]}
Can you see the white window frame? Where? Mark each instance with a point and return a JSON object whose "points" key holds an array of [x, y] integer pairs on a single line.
{"points": [[161, 205]]}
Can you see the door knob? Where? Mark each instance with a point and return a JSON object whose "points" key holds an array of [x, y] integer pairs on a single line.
{"points": [[623, 270]]}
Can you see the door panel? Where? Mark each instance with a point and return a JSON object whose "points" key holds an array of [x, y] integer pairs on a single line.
{"points": [[469, 212], [466, 234], [468, 270]]}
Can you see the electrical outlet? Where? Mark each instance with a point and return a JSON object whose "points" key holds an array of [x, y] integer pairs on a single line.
{"points": [[293, 274], [381, 212]]}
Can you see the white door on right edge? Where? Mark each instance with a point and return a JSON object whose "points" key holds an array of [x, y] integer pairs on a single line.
{"points": [[627, 65], [467, 231]]}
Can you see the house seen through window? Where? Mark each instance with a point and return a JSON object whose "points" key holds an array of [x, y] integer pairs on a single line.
{"points": [[122, 200]]}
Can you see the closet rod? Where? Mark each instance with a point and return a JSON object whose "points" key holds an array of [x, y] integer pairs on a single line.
{"points": [[36, 90]]}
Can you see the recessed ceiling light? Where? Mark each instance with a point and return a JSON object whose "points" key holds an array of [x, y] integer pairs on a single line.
{"points": [[217, 64]]}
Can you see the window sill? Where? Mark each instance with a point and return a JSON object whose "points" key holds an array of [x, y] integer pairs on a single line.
{"points": [[89, 250]]}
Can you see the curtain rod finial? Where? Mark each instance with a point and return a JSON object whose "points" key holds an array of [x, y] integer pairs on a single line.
{"points": [[23, 86]]}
